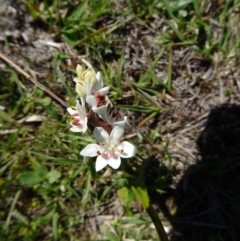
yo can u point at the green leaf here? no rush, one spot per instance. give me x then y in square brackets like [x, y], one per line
[45, 101]
[20, 217]
[53, 176]
[170, 9]
[125, 195]
[197, 7]
[112, 237]
[183, 3]
[5, 117]
[36, 176]
[32, 10]
[40, 169]
[78, 12]
[55, 225]
[141, 192]
[31, 178]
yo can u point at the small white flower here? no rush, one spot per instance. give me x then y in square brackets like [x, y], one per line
[98, 100]
[113, 117]
[79, 115]
[110, 150]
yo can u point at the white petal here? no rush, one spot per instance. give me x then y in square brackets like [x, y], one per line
[81, 126]
[85, 126]
[114, 162]
[83, 104]
[80, 88]
[82, 101]
[120, 123]
[128, 149]
[90, 150]
[101, 135]
[104, 90]
[89, 87]
[116, 134]
[79, 71]
[76, 80]
[76, 129]
[100, 163]
[99, 83]
[91, 100]
[81, 108]
[100, 110]
[71, 111]
[105, 115]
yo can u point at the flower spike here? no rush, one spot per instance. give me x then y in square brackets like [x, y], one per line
[97, 111]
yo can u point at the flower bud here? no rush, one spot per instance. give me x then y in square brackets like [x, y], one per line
[81, 79]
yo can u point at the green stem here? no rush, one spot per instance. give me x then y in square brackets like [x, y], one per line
[142, 193]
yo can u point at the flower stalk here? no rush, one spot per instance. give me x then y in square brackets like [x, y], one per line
[142, 194]
[93, 108]
[136, 180]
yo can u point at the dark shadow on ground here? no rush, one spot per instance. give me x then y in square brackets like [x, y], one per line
[208, 195]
